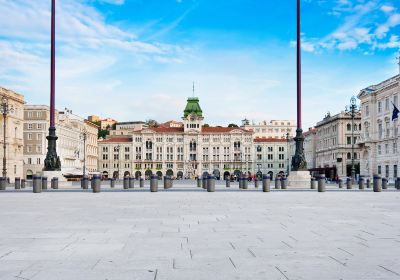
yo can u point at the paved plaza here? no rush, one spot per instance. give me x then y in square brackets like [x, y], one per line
[187, 233]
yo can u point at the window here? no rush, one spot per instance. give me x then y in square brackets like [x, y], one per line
[348, 140]
[367, 110]
[30, 126]
[387, 104]
[380, 130]
[38, 136]
[379, 150]
[379, 170]
[39, 126]
[29, 136]
[379, 106]
[348, 127]
[38, 161]
[394, 171]
[387, 171]
[29, 160]
[386, 148]
[395, 100]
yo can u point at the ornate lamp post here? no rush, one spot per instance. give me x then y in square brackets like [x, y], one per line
[298, 160]
[352, 110]
[5, 110]
[83, 137]
[287, 153]
[52, 161]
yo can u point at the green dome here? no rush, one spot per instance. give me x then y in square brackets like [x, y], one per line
[193, 107]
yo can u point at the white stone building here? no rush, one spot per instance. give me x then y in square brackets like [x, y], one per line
[70, 144]
[277, 129]
[180, 151]
[14, 135]
[380, 137]
[335, 136]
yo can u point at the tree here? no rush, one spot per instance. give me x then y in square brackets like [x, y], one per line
[152, 123]
[232, 125]
[103, 133]
[206, 125]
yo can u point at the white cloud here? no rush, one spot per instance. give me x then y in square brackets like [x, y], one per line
[387, 8]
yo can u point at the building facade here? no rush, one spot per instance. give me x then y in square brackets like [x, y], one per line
[70, 144]
[14, 133]
[380, 136]
[182, 151]
[271, 156]
[335, 137]
[277, 129]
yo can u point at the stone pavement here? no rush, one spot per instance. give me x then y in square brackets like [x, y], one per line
[187, 233]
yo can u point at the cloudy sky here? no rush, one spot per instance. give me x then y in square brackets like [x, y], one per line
[136, 59]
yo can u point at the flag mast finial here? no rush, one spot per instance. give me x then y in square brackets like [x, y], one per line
[193, 88]
[398, 61]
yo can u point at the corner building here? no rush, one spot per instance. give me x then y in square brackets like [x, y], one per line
[184, 151]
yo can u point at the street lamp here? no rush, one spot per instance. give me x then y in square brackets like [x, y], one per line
[117, 149]
[83, 137]
[5, 110]
[352, 110]
[287, 153]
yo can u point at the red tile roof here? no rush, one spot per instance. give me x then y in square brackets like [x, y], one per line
[265, 140]
[117, 140]
[222, 129]
[166, 129]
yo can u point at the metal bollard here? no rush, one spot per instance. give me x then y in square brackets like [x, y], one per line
[228, 183]
[377, 184]
[96, 183]
[266, 183]
[44, 183]
[170, 182]
[211, 184]
[277, 183]
[85, 182]
[112, 183]
[313, 183]
[141, 182]
[37, 184]
[284, 183]
[361, 183]
[199, 182]
[3, 183]
[368, 183]
[397, 183]
[54, 183]
[165, 182]
[17, 183]
[154, 183]
[241, 182]
[23, 183]
[340, 184]
[131, 182]
[349, 184]
[126, 183]
[245, 184]
[256, 183]
[384, 183]
[321, 183]
[204, 182]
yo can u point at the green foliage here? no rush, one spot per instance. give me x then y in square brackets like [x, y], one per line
[103, 133]
[232, 125]
[206, 125]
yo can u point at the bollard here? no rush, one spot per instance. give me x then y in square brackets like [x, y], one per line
[23, 183]
[211, 184]
[368, 183]
[361, 183]
[154, 183]
[165, 182]
[384, 183]
[277, 183]
[377, 183]
[245, 184]
[321, 183]
[37, 184]
[131, 182]
[54, 183]
[170, 182]
[340, 184]
[204, 182]
[96, 183]
[17, 183]
[284, 183]
[266, 183]
[3, 183]
[313, 183]
[348, 184]
[112, 183]
[126, 183]
[85, 182]
[256, 183]
[44, 183]
[228, 183]
[141, 182]
[397, 183]
[199, 182]
[241, 182]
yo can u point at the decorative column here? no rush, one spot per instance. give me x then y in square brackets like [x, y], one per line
[298, 160]
[52, 161]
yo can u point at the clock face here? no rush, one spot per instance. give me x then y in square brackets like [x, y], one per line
[192, 118]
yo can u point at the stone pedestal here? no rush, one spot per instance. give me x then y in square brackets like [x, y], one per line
[299, 180]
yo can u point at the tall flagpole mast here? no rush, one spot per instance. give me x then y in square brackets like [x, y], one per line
[298, 160]
[52, 161]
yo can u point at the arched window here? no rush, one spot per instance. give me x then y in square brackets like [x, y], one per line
[348, 127]
[259, 149]
[348, 155]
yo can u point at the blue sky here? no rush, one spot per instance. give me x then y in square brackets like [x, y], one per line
[136, 59]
